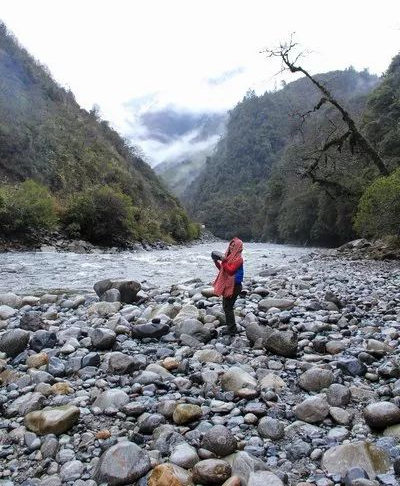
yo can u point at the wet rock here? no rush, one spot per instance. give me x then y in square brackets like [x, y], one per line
[339, 459]
[170, 475]
[37, 360]
[338, 395]
[316, 379]
[32, 321]
[113, 398]
[43, 340]
[263, 478]
[104, 309]
[120, 363]
[270, 428]
[236, 378]
[269, 302]
[52, 420]
[14, 341]
[184, 455]
[211, 471]
[354, 473]
[209, 356]
[381, 415]
[352, 366]
[128, 289]
[103, 338]
[185, 413]
[219, 440]
[187, 312]
[150, 330]
[312, 409]
[273, 382]
[6, 312]
[71, 470]
[26, 403]
[195, 329]
[283, 343]
[256, 333]
[11, 300]
[243, 464]
[123, 463]
[150, 422]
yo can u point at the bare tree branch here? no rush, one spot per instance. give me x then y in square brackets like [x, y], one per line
[353, 135]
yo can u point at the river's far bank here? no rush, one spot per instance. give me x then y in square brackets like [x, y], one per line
[58, 241]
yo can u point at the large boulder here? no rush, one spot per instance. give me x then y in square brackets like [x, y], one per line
[14, 341]
[32, 321]
[219, 440]
[104, 309]
[282, 343]
[120, 363]
[43, 340]
[339, 459]
[28, 402]
[52, 420]
[270, 302]
[211, 471]
[150, 330]
[123, 463]
[186, 412]
[169, 475]
[236, 378]
[113, 398]
[243, 464]
[6, 312]
[382, 414]
[194, 328]
[188, 311]
[128, 289]
[264, 478]
[103, 338]
[316, 379]
[10, 299]
[256, 334]
[312, 409]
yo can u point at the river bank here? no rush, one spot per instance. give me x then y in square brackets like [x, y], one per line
[59, 241]
[153, 393]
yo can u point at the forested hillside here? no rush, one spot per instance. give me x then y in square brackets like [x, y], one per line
[61, 165]
[257, 182]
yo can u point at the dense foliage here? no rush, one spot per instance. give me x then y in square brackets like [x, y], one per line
[26, 207]
[379, 207]
[254, 184]
[47, 137]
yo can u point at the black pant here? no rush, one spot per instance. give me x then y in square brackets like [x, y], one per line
[228, 303]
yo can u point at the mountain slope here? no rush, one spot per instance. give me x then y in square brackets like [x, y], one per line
[232, 195]
[46, 136]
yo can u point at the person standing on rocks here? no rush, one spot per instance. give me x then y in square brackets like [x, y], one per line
[228, 283]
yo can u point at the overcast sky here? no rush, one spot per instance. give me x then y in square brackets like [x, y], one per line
[203, 55]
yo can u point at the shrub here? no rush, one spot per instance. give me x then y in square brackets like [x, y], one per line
[103, 215]
[379, 208]
[27, 206]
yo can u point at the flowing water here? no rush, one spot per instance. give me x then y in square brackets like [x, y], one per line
[37, 272]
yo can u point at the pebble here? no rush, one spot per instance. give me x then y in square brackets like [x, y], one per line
[307, 392]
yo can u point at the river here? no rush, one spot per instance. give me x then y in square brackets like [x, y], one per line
[38, 272]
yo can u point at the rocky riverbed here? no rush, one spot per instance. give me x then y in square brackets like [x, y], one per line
[151, 392]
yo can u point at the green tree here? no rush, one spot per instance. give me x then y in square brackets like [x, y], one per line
[103, 215]
[27, 206]
[379, 208]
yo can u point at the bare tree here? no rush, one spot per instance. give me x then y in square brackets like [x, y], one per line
[352, 135]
